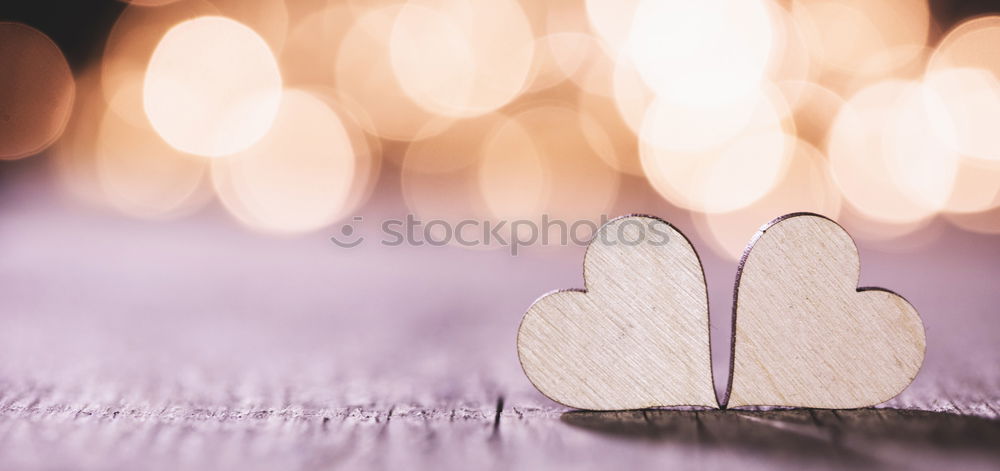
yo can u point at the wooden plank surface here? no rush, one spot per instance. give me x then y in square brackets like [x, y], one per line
[198, 345]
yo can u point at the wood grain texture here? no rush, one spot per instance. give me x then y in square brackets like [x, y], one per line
[196, 345]
[805, 335]
[458, 435]
[637, 337]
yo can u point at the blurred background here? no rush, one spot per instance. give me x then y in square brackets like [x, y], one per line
[171, 173]
[295, 115]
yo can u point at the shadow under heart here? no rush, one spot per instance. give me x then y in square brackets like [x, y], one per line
[855, 436]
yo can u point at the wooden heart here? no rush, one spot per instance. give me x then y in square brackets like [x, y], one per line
[804, 335]
[637, 337]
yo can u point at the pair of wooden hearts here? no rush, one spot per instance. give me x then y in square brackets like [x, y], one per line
[804, 334]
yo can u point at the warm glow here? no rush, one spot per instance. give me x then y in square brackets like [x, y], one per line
[968, 110]
[462, 57]
[986, 222]
[150, 3]
[73, 155]
[36, 91]
[129, 46]
[715, 169]
[965, 74]
[298, 178]
[887, 235]
[310, 53]
[268, 18]
[578, 184]
[922, 166]
[364, 75]
[454, 149]
[730, 111]
[813, 107]
[970, 44]
[138, 30]
[867, 38]
[682, 128]
[142, 175]
[976, 188]
[367, 149]
[434, 63]
[212, 87]
[612, 20]
[790, 59]
[512, 175]
[632, 96]
[608, 133]
[862, 150]
[557, 57]
[704, 52]
[805, 186]
[578, 57]
[440, 174]
[596, 74]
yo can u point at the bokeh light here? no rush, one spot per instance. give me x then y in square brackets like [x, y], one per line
[578, 185]
[513, 179]
[632, 96]
[310, 53]
[456, 148]
[734, 38]
[142, 175]
[790, 60]
[439, 175]
[130, 44]
[212, 87]
[363, 72]
[74, 155]
[452, 62]
[612, 20]
[968, 105]
[965, 72]
[970, 45]
[557, 57]
[987, 222]
[36, 91]
[575, 56]
[139, 28]
[367, 149]
[868, 111]
[268, 18]
[860, 161]
[921, 165]
[813, 108]
[608, 133]
[976, 187]
[716, 159]
[298, 177]
[806, 186]
[674, 127]
[866, 38]
[149, 3]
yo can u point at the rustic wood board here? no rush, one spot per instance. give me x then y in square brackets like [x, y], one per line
[197, 345]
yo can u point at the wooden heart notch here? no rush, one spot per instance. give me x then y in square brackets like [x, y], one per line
[805, 335]
[637, 337]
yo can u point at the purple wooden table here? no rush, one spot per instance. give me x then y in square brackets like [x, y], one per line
[197, 344]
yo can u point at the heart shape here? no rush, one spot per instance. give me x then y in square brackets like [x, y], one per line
[637, 337]
[804, 335]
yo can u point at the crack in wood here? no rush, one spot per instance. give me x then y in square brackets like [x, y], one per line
[496, 417]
